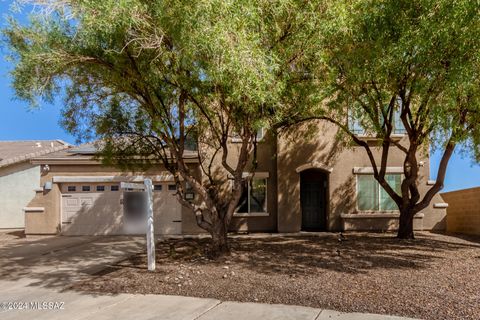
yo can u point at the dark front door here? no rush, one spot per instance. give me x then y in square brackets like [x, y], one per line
[313, 198]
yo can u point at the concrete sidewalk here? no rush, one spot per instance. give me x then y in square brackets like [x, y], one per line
[75, 305]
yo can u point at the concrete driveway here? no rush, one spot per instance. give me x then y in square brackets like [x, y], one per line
[34, 273]
[55, 262]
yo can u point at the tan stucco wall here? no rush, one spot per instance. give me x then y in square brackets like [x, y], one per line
[463, 212]
[48, 221]
[321, 148]
[382, 224]
[17, 185]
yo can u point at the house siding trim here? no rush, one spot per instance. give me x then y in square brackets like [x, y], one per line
[95, 179]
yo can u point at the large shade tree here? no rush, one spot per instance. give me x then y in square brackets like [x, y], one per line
[382, 65]
[151, 79]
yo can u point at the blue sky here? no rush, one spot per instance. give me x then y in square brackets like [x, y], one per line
[18, 122]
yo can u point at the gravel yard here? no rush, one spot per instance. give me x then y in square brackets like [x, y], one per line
[431, 277]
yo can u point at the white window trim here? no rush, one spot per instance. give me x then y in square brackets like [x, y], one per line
[257, 175]
[356, 197]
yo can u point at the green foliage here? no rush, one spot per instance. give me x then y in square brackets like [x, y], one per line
[148, 77]
[131, 53]
[421, 59]
[423, 56]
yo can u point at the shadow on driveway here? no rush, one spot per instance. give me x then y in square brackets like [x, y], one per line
[56, 262]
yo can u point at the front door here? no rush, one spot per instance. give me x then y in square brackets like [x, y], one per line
[313, 198]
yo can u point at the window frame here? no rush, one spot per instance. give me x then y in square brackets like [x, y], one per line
[74, 188]
[379, 190]
[97, 188]
[89, 189]
[116, 188]
[256, 176]
[354, 124]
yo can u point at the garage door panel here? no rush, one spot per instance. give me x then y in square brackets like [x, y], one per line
[71, 202]
[87, 201]
[91, 213]
[98, 213]
[167, 214]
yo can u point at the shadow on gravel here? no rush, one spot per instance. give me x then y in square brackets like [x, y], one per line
[432, 277]
[358, 253]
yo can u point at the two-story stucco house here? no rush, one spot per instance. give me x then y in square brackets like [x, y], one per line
[302, 182]
[19, 178]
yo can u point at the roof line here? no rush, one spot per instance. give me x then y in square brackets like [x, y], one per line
[28, 156]
[38, 140]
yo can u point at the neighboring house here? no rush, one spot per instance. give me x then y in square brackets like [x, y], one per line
[303, 181]
[19, 178]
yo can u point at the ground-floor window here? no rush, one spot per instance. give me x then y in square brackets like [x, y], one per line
[372, 197]
[254, 196]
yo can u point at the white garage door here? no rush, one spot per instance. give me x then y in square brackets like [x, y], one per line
[95, 209]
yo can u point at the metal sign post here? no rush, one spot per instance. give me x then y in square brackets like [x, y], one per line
[150, 232]
[148, 189]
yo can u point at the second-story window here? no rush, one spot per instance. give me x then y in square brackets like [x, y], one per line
[356, 127]
[398, 127]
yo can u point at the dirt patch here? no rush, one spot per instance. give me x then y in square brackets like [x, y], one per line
[432, 277]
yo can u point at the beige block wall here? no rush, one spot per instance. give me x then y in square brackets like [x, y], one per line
[463, 212]
[321, 148]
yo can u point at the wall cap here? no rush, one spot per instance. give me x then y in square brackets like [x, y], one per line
[440, 205]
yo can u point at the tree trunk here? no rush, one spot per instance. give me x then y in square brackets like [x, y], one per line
[405, 228]
[219, 240]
